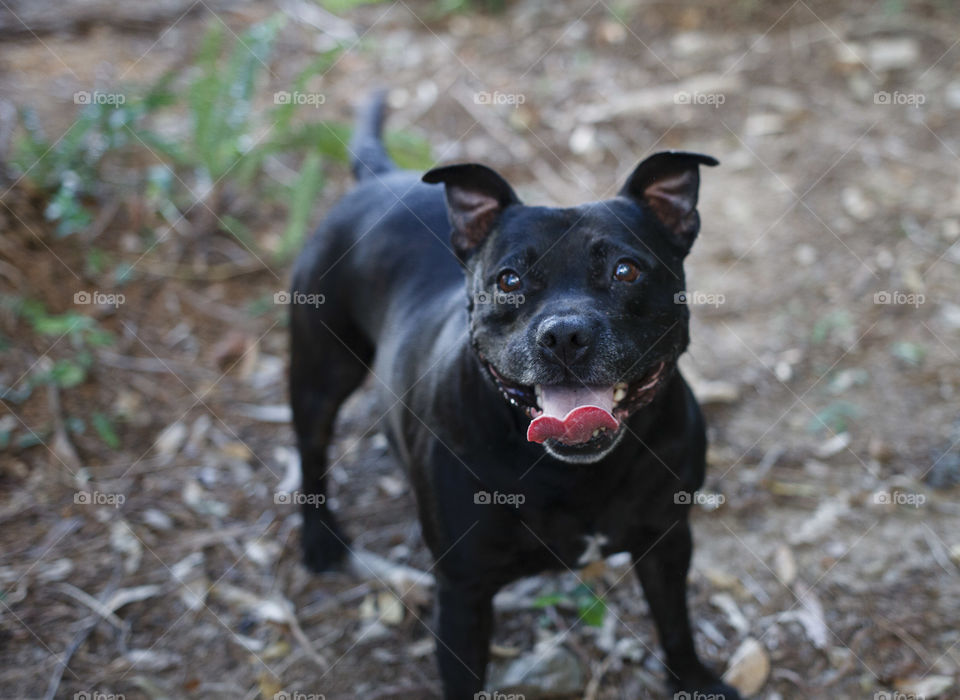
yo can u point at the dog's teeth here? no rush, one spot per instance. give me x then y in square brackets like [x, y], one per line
[620, 385]
[596, 432]
[620, 393]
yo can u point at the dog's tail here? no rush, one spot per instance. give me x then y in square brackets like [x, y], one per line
[368, 157]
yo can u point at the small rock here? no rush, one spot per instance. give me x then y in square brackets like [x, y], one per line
[952, 95]
[195, 496]
[262, 553]
[805, 254]
[729, 607]
[823, 521]
[583, 139]
[199, 432]
[749, 667]
[785, 565]
[856, 204]
[374, 630]
[715, 391]
[720, 579]
[382, 607]
[892, 54]
[171, 439]
[838, 443]
[157, 519]
[501, 651]
[612, 32]
[763, 125]
[885, 259]
[276, 650]
[424, 647]
[928, 687]
[150, 660]
[392, 486]
[846, 379]
[955, 554]
[124, 541]
[848, 54]
[545, 672]
[236, 450]
[840, 657]
[391, 609]
[950, 315]
[783, 371]
[690, 43]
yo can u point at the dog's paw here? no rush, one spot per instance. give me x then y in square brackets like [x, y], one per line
[324, 546]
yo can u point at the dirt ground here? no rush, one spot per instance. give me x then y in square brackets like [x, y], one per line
[826, 350]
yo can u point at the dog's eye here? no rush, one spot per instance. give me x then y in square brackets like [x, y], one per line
[509, 281]
[626, 271]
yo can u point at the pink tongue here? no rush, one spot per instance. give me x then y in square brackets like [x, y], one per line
[571, 415]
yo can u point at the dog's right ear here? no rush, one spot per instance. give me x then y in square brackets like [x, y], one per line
[476, 196]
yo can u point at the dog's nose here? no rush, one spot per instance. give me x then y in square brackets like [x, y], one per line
[565, 338]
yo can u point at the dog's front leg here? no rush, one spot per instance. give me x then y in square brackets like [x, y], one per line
[662, 566]
[464, 625]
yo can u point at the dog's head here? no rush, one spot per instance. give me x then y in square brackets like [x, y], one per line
[576, 312]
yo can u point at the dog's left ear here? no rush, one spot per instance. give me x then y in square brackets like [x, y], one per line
[476, 197]
[668, 184]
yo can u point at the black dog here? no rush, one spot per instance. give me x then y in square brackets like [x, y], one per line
[537, 407]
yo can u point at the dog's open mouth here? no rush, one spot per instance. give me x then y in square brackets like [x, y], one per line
[580, 416]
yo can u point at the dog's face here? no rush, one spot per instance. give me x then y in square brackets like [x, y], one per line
[575, 312]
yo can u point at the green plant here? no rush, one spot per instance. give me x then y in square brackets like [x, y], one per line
[338, 6]
[83, 335]
[225, 142]
[590, 607]
[834, 418]
[911, 354]
[68, 170]
[103, 425]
